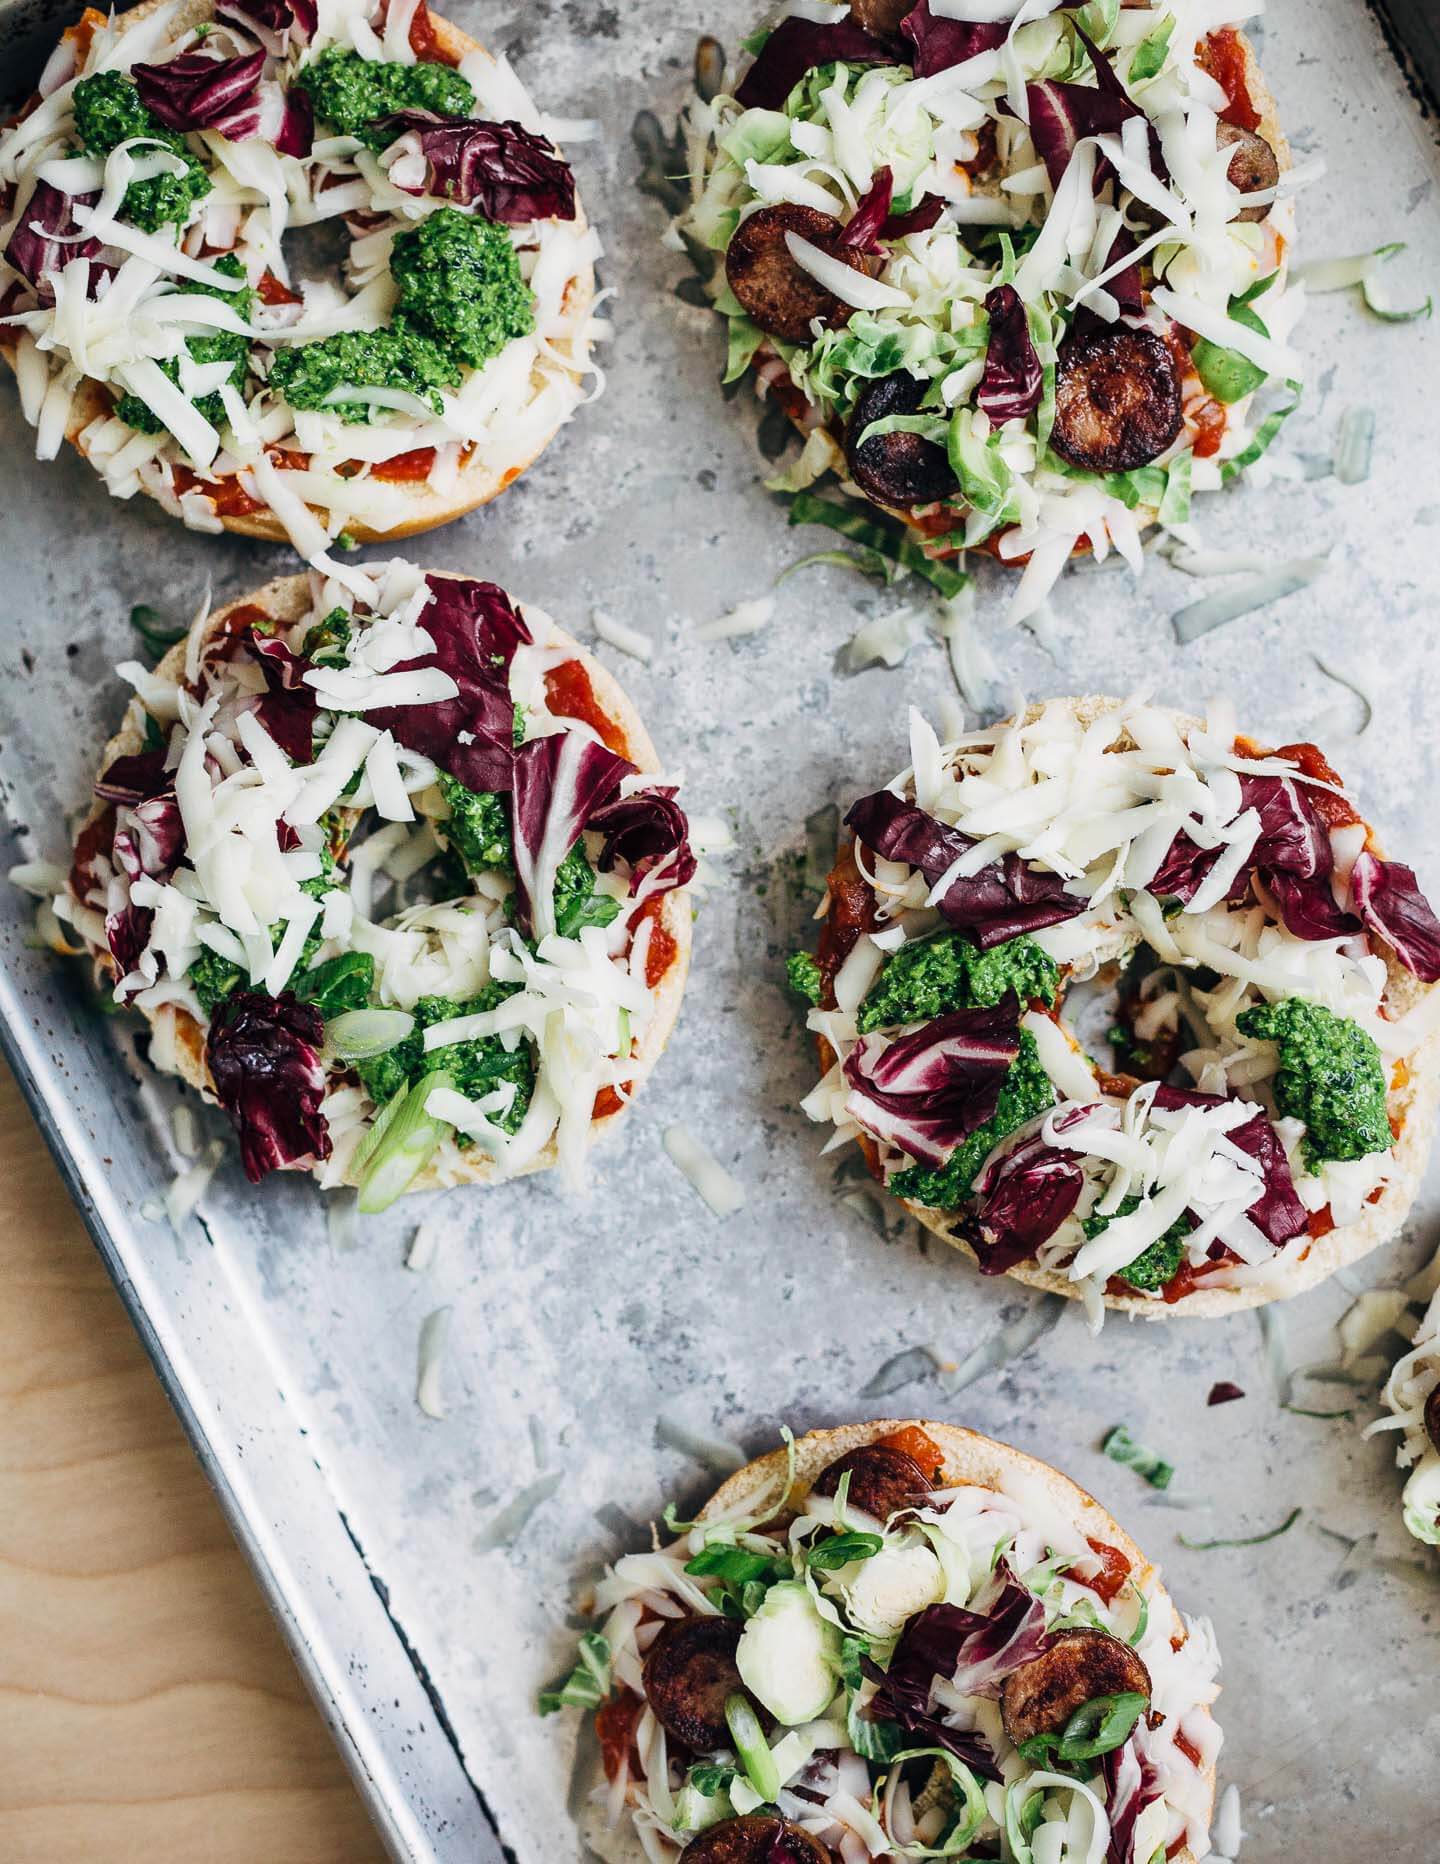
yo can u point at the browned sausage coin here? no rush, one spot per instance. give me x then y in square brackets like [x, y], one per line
[689, 1671]
[781, 297]
[1117, 399]
[883, 1480]
[1253, 164]
[896, 469]
[758, 1838]
[1432, 1417]
[1041, 1696]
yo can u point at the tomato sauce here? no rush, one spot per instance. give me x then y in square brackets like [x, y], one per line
[913, 1442]
[425, 41]
[569, 694]
[615, 1721]
[1114, 1572]
[406, 468]
[663, 949]
[1206, 420]
[852, 911]
[226, 493]
[274, 290]
[1223, 56]
[1188, 1279]
[96, 837]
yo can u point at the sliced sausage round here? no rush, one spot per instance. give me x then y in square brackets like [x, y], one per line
[689, 1671]
[776, 293]
[1432, 1417]
[1253, 165]
[896, 469]
[758, 1838]
[1042, 1695]
[1117, 399]
[883, 1480]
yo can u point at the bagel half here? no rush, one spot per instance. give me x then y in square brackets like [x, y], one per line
[1413, 1101]
[179, 1038]
[969, 1459]
[479, 481]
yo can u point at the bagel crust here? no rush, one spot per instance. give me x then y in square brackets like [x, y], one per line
[1412, 1102]
[967, 1460]
[423, 507]
[179, 1037]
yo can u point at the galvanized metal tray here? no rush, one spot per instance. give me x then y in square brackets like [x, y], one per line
[424, 1579]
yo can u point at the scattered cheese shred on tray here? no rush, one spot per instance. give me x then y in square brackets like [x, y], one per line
[434, 1338]
[723, 1193]
[749, 618]
[620, 634]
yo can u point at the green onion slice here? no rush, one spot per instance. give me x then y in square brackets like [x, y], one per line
[751, 1747]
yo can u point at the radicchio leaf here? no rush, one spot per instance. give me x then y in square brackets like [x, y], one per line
[264, 1056]
[1278, 1214]
[131, 779]
[476, 630]
[644, 830]
[275, 23]
[561, 782]
[148, 840]
[43, 241]
[940, 43]
[872, 211]
[1132, 1783]
[508, 172]
[1124, 287]
[231, 96]
[1387, 897]
[1014, 380]
[927, 1091]
[288, 709]
[1063, 115]
[919, 219]
[1027, 1197]
[798, 45]
[999, 903]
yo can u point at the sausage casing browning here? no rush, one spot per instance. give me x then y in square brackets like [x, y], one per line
[758, 1838]
[1117, 399]
[778, 294]
[1253, 165]
[1042, 1695]
[883, 1480]
[896, 469]
[689, 1671]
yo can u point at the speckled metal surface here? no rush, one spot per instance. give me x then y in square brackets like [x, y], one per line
[578, 1325]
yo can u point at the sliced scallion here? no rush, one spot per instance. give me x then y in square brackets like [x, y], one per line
[360, 1035]
[405, 1147]
[751, 1747]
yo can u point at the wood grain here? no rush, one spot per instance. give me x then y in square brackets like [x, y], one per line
[149, 1711]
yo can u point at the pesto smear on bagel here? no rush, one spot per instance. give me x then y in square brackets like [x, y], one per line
[891, 1660]
[385, 879]
[1266, 969]
[1017, 272]
[154, 291]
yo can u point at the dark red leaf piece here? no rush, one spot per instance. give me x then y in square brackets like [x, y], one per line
[642, 831]
[133, 778]
[941, 43]
[43, 241]
[275, 23]
[1224, 1391]
[999, 903]
[864, 228]
[919, 219]
[288, 709]
[1028, 1196]
[1278, 1214]
[1387, 897]
[264, 1056]
[561, 783]
[799, 45]
[1014, 380]
[476, 629]
[1132, 1783]
[196, 91]
[928, 1090]
[508, 172]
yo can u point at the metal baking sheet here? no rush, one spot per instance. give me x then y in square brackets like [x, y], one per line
[586, 1333]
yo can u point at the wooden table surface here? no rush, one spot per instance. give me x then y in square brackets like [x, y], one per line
[149, 1711]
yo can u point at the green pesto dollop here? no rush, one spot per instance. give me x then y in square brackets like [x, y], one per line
[352, 92]
[478, 828]
[1026, 1094]
[578, 903]
[476, 1067]
[400, 357]
[1331, 1077]
[335, 985]
[1154, 1266]
[933, 976]
[108, 111]
[214, 346]
[326, 641]
[459, 281]
[802, 972]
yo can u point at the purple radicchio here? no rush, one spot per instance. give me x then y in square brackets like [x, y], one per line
[941, 43]
[134, 777]
[288, 708]
[275, 23]
[1027, 1195]
[45, 239]
[1064, 115]
[508, 172]
[798, 45]
[230, 96]
[927, 1091]
[476, 630]
[148, 841]
[999, 903]
[872, 220]
[647, 831]
[918, 220]
[1124, 287]
[561, 782]
[975, 1651]
[1278, 1214]
[264, 1056]
[1132, 1783]
[1013, 381]
[1387, 897]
